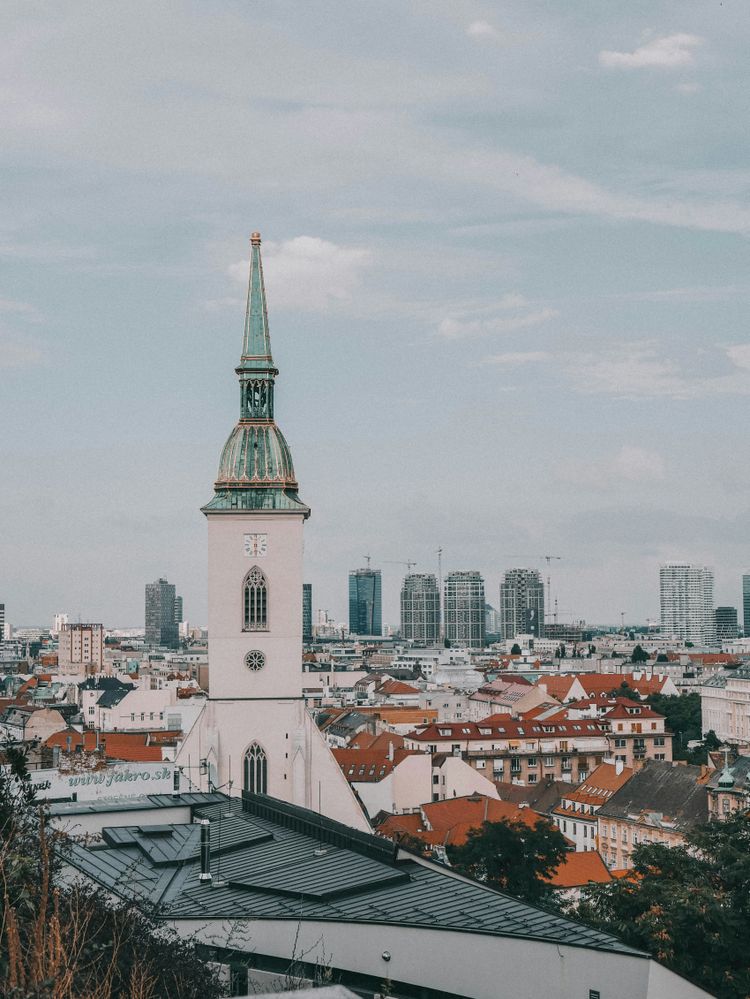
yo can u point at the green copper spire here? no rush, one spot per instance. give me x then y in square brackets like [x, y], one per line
[256, 470]
[256, 346]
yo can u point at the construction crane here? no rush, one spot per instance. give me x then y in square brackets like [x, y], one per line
[407, 562]
[368, 559]
[548, 559]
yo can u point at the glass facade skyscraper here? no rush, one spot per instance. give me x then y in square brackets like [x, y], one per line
[746, 604]
[365, 602]
[161, 626]
[420, 608]
[464, 609]
[727, 627]
[522, 603]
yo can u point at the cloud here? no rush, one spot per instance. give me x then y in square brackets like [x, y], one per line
[639, 371]
[688, 88]
[630, 464]
[21, 310]
[308, 273]
[669, 52]
[18, 353]
[636, 464]
[473, 325]
[482, 29]
[512, 359]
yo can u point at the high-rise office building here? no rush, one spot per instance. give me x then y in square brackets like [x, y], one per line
[307, 629]
[746, 605]
[727, 627]
[178, 610]
[365, 606]
[522, 603]
[161, 625]
[420, 608]
[463, 607]
[687, 603]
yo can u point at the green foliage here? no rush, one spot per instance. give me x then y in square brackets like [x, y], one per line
[516, 650]
[639, 655]
[69, 941]
[683, 719]
[662, 657]
[512, 856]
[687, 906]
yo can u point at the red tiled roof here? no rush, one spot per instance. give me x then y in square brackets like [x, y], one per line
[504, 727]
[396, 687]
[579, 869]
[366, 766]
[377, 743]
[128, 746]
[452, 820]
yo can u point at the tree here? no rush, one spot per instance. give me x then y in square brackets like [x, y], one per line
[70, 941]
[516, 650]
[683, 720]
[688, 906]
[662, 658]
[639, 655]
[512, 856]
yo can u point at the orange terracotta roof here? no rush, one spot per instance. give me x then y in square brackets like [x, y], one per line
[366, 766]
[128, 746]
[579, 869]
[397, 687]
[452, 820]
[377, 743]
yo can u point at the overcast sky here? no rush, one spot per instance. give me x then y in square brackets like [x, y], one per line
[506, 253]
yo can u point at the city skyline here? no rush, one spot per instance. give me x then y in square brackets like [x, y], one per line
[492, 227]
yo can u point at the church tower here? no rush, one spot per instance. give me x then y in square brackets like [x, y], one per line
[255, 729]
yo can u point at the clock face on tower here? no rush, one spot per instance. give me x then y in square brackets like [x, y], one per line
[256, 545]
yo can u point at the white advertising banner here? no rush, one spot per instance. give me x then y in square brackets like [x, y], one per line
[114, 781]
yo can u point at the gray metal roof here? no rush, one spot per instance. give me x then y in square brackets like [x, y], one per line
[285, 862]
[661, 794]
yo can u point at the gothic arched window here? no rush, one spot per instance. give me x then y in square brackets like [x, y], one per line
[255, 601]
[256, 770]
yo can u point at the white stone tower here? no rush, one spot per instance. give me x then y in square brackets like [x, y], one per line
[255, 729]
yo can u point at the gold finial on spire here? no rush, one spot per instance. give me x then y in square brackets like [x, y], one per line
[255, 238]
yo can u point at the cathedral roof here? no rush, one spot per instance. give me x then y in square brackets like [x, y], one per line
[256, 470]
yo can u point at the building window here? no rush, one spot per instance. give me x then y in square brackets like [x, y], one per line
[549, 761]
[659, 740]
[533, 778]
[91, 711]
[256, 770]
[532, 761]
[255, 660]
[255, 601]
[619, 743]
[515, 764]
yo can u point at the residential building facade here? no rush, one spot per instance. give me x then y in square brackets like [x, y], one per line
[80, 648]
[420, 609]
[463, 607]
[521, 603]
[687, 603]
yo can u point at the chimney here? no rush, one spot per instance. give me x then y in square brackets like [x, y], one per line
[619, 765]
[205, 874]
[390, 751]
